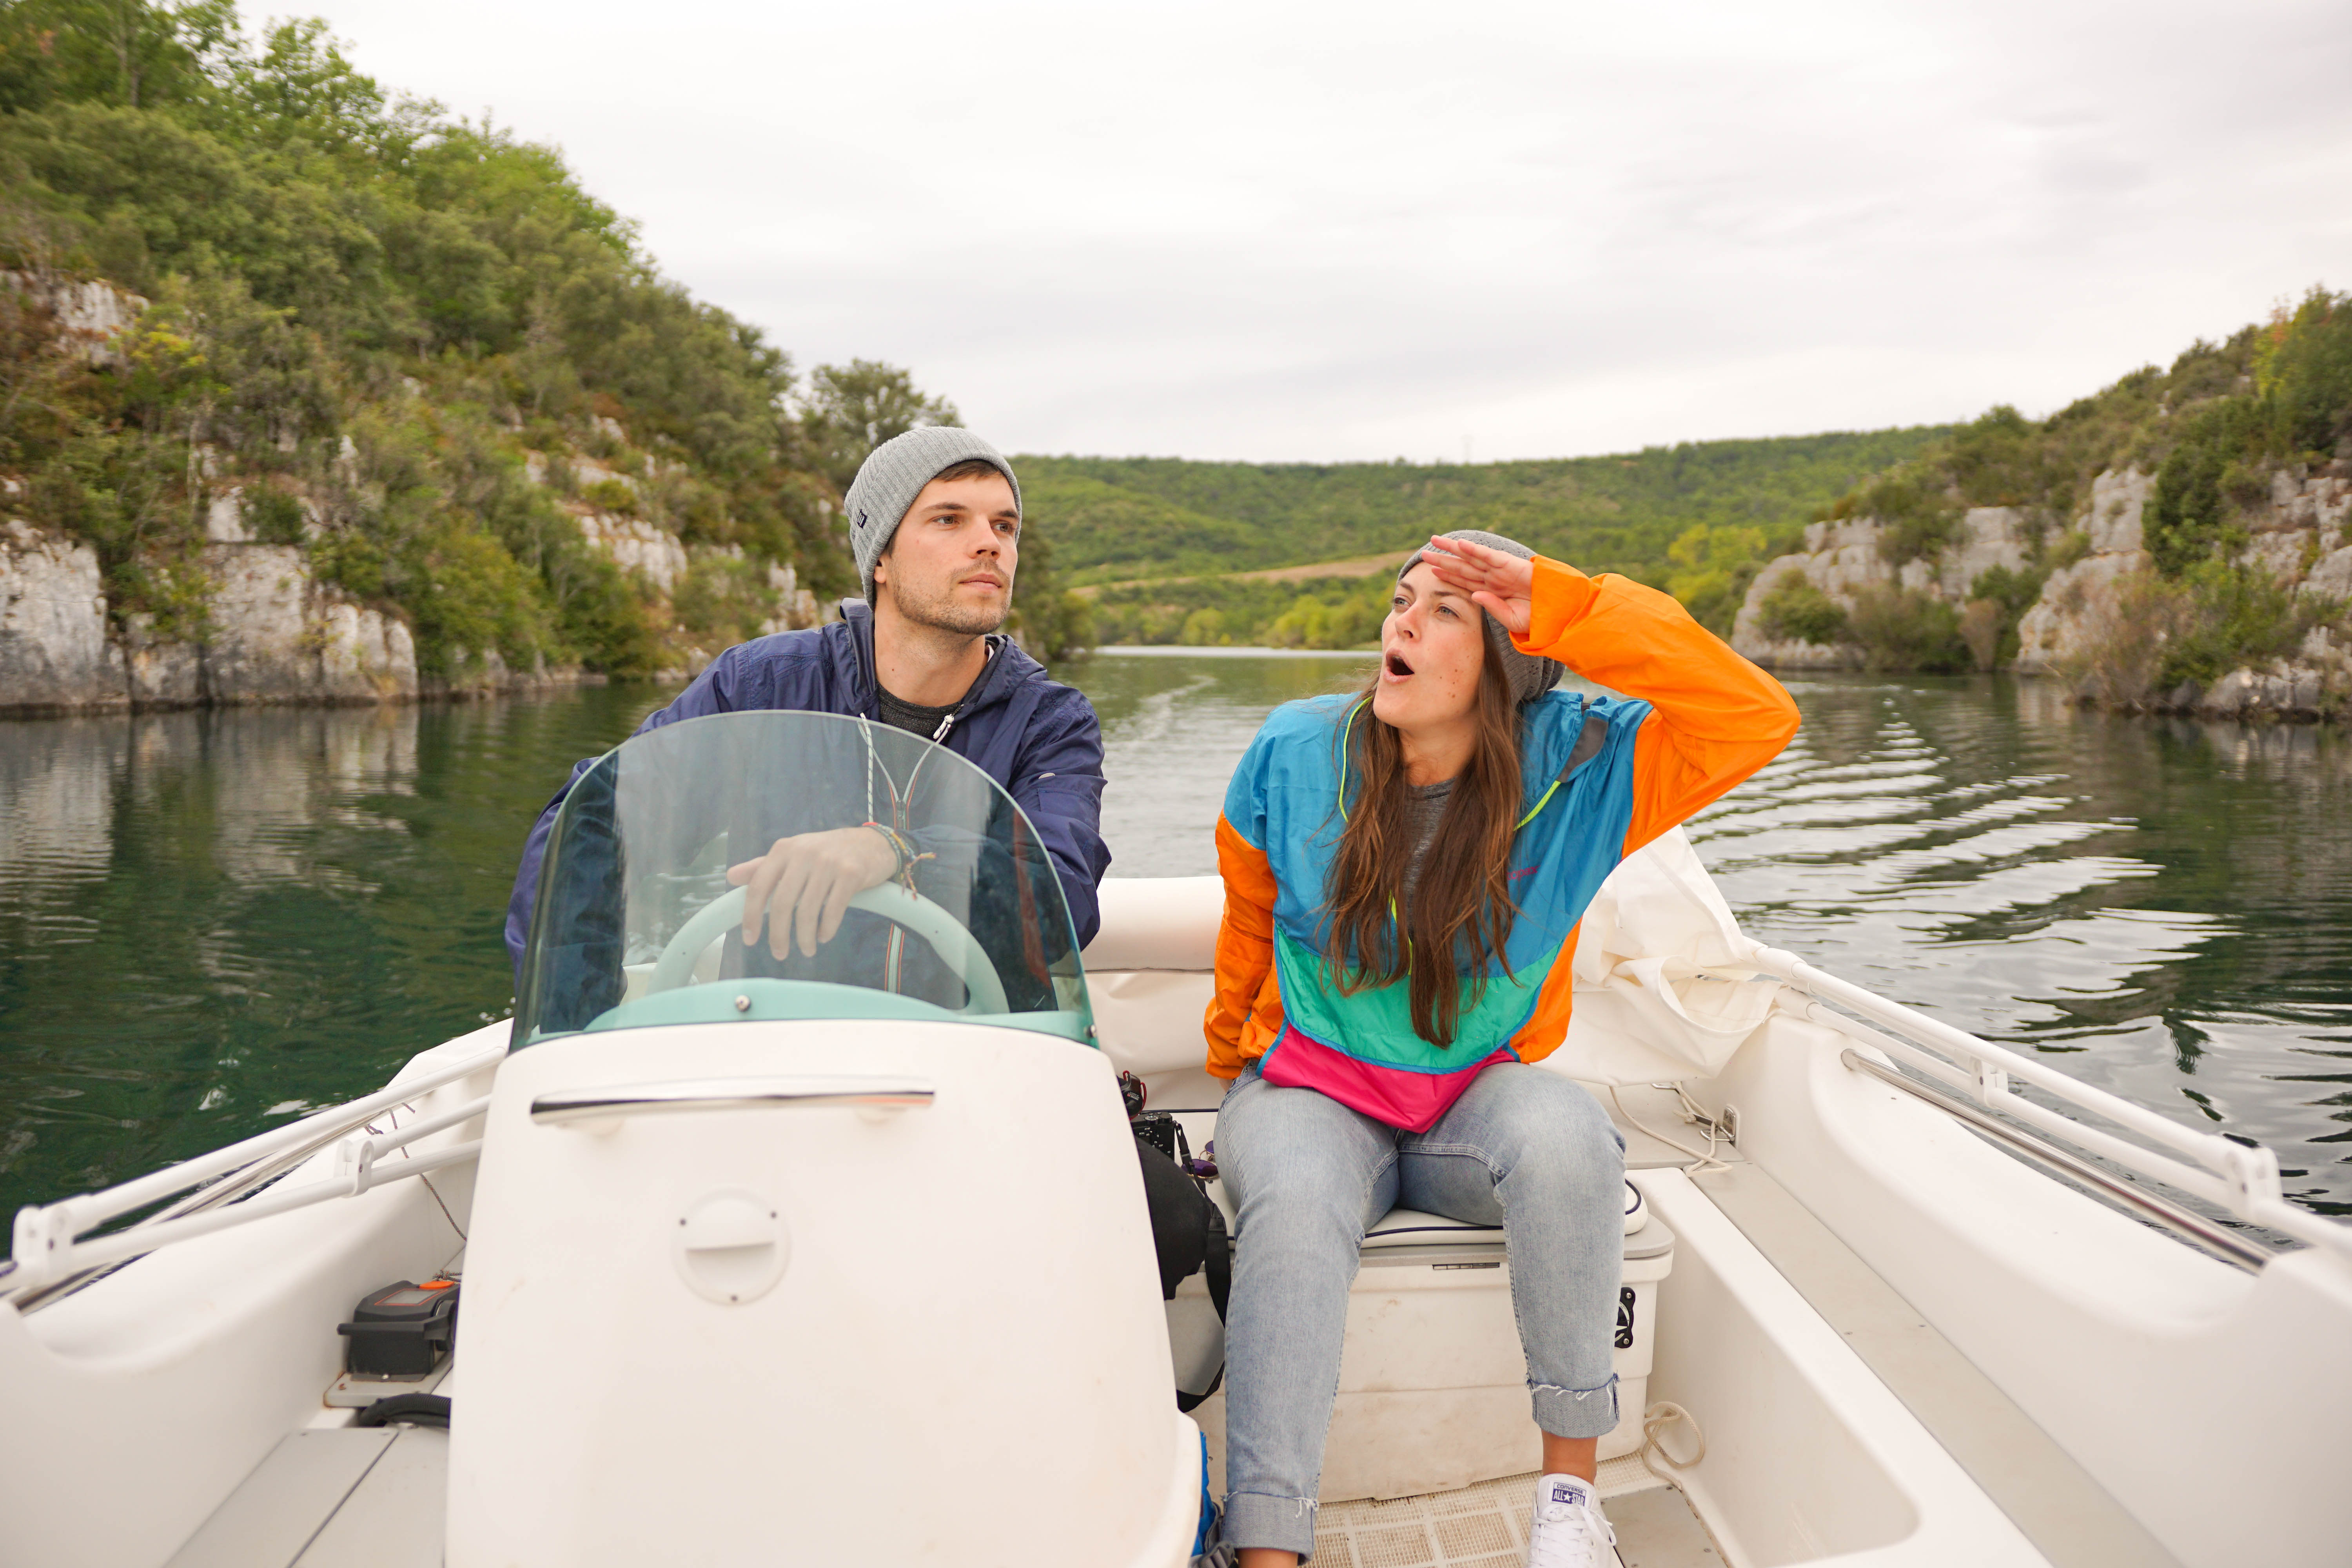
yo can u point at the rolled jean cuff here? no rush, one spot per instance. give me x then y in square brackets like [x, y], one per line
[1261, 1518]
[1576, 1412]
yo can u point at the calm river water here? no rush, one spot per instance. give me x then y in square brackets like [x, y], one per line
[212, 921]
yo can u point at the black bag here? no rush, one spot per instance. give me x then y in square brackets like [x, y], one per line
[1188, 1229]
[1188, 1234]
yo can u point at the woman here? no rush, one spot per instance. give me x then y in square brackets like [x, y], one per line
[1404, 870]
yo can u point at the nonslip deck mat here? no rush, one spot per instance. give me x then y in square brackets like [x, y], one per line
[1481, 1526]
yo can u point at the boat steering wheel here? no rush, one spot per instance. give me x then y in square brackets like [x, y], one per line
[947, 935]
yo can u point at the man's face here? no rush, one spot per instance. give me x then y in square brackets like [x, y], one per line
[951, 563]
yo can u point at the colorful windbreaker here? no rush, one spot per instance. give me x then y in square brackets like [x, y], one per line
[1603, 777]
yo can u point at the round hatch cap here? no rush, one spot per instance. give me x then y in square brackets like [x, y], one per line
[731, 1247]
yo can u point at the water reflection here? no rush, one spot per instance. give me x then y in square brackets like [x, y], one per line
[2168, 904]
[211, 920]
[207, 921]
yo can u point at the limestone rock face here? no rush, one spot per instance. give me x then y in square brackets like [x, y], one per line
[2330, 578]
[2070, 614]
[1841, 558]
[2078, 602]
[53, 649]
[2117, 502]
[796, 605]
[272, 634]
[276, 635]
[225, 518]
[160, 672]
[635, 545]
[87, 315]
[1989, 536]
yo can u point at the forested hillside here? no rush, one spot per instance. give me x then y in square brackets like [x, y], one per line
[1160, 537]
[413, 346]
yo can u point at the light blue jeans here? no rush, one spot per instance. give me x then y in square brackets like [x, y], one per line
[1523, 1147]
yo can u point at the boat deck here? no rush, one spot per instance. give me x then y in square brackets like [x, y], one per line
[1485, 1526]
[360, 1497]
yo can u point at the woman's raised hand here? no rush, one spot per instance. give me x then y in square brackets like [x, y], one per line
[1503, 585]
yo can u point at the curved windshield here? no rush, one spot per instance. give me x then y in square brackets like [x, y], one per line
[954, 912]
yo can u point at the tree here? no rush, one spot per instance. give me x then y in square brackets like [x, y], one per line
[850, 409]
[122, 52]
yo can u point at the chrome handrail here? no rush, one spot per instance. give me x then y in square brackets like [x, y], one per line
[47, 1259]
[578, 1106]
[2232, 1174]
[2184, 1223]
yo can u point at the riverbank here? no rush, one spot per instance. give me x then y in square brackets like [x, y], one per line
[2089, 608]
[270, 634]
[2177, 543]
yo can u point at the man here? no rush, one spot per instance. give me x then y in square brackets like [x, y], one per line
[935, 525]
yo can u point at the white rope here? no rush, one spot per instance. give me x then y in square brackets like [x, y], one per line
[1655, 1420]
[1701, 1163]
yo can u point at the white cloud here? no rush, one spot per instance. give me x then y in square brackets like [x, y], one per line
[1362, 231]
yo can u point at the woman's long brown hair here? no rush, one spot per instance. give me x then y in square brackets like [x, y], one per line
[1460, 912]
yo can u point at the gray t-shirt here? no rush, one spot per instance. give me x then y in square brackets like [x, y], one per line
[1424, 808]
[912, 717]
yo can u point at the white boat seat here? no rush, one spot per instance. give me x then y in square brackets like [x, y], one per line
[1403, 1231]
[1411, 1228]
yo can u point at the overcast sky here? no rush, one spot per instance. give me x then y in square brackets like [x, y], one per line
[1364, 230]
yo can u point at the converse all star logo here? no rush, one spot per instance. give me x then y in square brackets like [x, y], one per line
[1562, 1492]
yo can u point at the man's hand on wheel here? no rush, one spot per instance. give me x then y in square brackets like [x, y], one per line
[808, 880]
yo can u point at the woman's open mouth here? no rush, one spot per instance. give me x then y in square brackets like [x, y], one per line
[1397, 667]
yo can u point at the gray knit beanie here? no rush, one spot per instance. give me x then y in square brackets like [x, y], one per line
[894, 473]
[1530, 675]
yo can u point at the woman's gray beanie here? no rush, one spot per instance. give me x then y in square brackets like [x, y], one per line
[894, 473]
[1530, 675]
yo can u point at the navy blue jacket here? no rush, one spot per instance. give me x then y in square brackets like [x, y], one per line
[1035, 737]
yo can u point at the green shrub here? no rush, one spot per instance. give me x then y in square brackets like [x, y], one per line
[2002, 458]
[1794, 610]
[611, 495]
[2231, 616]
[273, 517]
[1203, 628]
[1716, 564]
[2066, 549]
[2005, 596]
[1902, 629]
[2190, 506]
[723, 600]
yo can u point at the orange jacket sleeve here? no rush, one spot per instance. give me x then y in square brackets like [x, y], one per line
[1715, 717]
[1245, 1015]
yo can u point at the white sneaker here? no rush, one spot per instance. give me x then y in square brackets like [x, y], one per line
[1570, 1530]
[1637, 1213]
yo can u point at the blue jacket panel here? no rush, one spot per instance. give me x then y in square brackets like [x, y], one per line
[1288, 796]
[1035, 737]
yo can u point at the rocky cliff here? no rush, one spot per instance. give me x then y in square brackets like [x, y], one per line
[2102, 614]
[269, 632]
[1846, 560]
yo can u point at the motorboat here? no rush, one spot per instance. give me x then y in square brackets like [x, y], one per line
[713, 1256]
